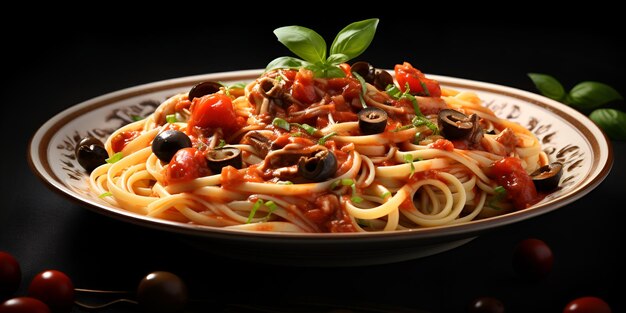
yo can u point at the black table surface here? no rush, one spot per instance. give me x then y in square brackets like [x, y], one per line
[55, 67]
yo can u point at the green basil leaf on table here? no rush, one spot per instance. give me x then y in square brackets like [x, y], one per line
[548, 86]
[590, 95]
[612, 121]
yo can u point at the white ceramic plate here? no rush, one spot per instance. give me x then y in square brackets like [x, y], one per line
[565, 134]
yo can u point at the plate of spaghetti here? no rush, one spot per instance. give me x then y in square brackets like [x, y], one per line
[301, 163]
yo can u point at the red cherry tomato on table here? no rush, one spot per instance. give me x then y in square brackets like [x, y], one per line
[10, 274]
[532, 259]
[407, 74]
[24, 305]
[54, 288]
[214, 111]
[587, 305]
[486, 305]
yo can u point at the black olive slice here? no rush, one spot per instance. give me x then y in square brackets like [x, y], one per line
[372, 120]
[168, 142]
[548, 176]
[203, 89]
[90, 153]
[382, 79]
[319, 167]
[221, 157]
[366, 70]
[454, 124]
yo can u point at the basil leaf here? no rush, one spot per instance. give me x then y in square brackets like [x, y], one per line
[279, 122]
[612, 121]
[548, 86]
[304, 42]
[337, 58]
[114, 158]
[354, 38]
[590, 95]
[333, 72]
[285, 62]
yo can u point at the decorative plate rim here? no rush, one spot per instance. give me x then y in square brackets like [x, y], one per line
[600, 168]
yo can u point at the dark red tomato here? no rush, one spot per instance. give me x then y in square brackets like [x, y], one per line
[53, 288]
[532, 259]
[520, 189]
[24, 305]
[485, 305]
[186, 164]
[10, 274]
[349, 88]
[406, 73]
[303, 89]
[587, 305]
[120, 140]
[213, 111]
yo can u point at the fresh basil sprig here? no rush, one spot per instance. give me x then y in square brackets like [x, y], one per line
[307, 44]
[587, 96]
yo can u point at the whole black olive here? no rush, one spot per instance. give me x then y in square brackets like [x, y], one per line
[319, 167]
[162, 292]
[372, 120]
[364, 69]
[90, 153]
[168, 142]
[548, 176]
[203, 89]
[382, 79]
[221, 157]
[454, 124]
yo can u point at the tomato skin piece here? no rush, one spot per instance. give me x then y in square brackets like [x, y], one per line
[119, 142]
[213, 111]
[520, 189]
[187, 164]
[407, 74]
[303, 89]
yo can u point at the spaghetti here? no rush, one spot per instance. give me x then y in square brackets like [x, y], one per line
[309, 164]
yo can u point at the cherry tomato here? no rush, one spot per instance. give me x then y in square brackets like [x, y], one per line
[532, 259]
[303, 89]
[24, 305]
[587, 305]
[10, 274]
[406, 73]
[486, 305]
[186, 164]
[509, 173]
[54, 288]
[213, 111]
[162, 292]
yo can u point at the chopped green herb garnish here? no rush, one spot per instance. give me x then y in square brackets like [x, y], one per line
[114, 158]
[296, 134]
[271, 208]
[385, 195]
[363, 88]
[221, 144]
[422, 120]
[171, 118]
[322, 140]
[105, 194]
[347, 182]
[308, 128]
[499, 196]
[255, 207]
[356, 199]
[335, 184]
[404, 127]
[279, 122]
[136, 118]
[409, 159]
[285, 182]
[393, 91]
[426, 92]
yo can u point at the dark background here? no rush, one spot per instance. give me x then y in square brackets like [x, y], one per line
[66, 59]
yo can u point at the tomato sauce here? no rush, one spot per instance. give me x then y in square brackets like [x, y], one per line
[122, 139]
[520, 189]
